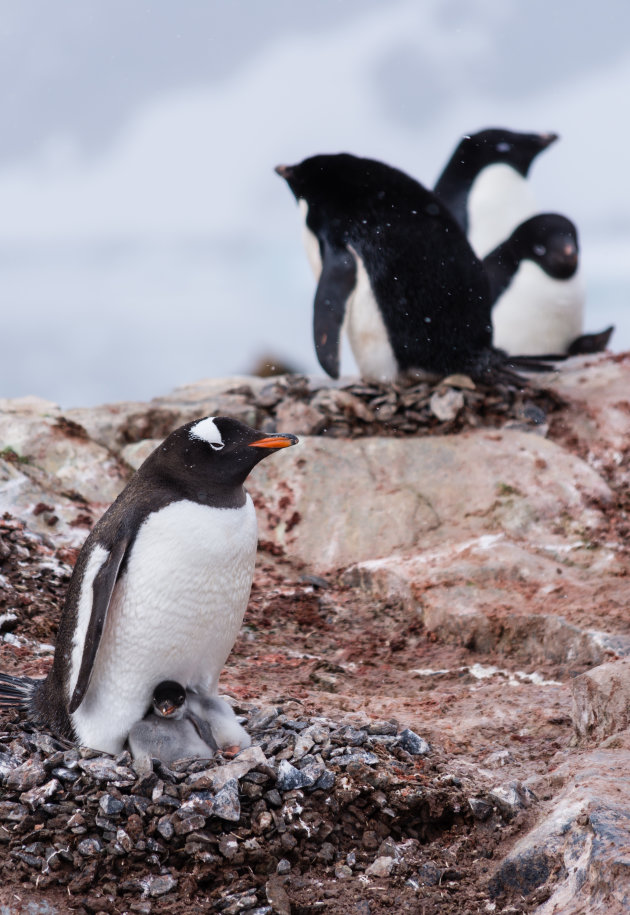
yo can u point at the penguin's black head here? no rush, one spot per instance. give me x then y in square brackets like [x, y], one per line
[498, 145]
[168, 698]
[343, 181]
[213, 455]
[549, 240]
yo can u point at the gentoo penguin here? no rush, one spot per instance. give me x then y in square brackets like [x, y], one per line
[159, 589]
[484, 183]
[395, 272]
[170, 730]
[537, 290]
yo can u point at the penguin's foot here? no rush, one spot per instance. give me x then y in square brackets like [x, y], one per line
[230, 752]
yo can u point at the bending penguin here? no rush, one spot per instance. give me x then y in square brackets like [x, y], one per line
[395, 272]
[159, 589]
[484, 183]
[170, 730]
[537, 290]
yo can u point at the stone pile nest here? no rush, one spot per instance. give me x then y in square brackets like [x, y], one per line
[312, 406]
[309, 793]
[358, 408]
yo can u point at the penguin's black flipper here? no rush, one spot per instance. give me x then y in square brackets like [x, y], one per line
[103, 587]
[588, 344]
[336, 283]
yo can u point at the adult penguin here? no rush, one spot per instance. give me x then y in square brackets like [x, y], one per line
[159, 589]
[396, 272]
[537, 290]
[484, 183]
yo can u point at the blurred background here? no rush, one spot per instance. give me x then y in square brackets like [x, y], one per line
[145, 240]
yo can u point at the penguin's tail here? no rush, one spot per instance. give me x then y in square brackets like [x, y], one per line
[495, 366]
[16, 692]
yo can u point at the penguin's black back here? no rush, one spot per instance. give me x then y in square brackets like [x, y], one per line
[428, 283]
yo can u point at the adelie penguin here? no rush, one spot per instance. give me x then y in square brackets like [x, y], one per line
[537, 291]
[394, 271]
[159, 589]
[484, 183]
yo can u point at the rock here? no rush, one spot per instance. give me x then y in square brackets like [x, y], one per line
[289, 777]
[511, 798]
[426, 490]
[277, 896]
[381, 867]
[343, 872]
[582, 838]
[481, 809]
[40, 794]
[283, 867]
[26, 776]
[161, 885]
[601, 700]
[226, 803]
[104, 769]
[215, 778]
[408, 740]
[300, 418]
[446, 404]
[90, 847]
[110, 806]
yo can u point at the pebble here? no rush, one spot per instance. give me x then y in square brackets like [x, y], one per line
[342, 872]
[410, 741]
[110, 806]
[89, 847]
[284, 866]
[226, 803]
[26, 776]
[161, 885]
[289, 777]
[40, 794]
[381, 867]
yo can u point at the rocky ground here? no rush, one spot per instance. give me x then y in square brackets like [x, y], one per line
[431, 667]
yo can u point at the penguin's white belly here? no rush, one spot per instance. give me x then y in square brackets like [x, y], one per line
[538, 314]
[499, 200]
[366, 331]
[310, 241]
[174, 615]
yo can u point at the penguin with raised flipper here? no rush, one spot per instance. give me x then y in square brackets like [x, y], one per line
[484, 183]
[396, 272]
[537, 291]
[159, 589]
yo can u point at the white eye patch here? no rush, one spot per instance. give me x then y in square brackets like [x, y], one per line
[206, 431]
[539, 250]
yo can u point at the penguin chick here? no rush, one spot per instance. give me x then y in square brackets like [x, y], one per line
[169, 731]
[395, 271]
[159, 589]
[484, 183]
[216, 716]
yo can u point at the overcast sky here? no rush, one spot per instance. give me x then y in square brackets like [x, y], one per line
[144, 238]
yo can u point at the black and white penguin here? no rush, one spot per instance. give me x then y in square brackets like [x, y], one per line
[170, 730]
[159, 589]
[484, 183]
[537, 290]
[394, 271]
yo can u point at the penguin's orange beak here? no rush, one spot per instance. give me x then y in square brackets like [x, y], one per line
[275, 441]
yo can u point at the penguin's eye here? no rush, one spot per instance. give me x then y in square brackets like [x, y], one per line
[216, 446]
[540, 250]
[504, 147]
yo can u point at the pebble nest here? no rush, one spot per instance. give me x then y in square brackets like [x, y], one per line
[351, 800]
[313, 406]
